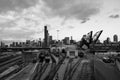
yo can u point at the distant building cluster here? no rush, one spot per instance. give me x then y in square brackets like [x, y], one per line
[115, 40]
[45, 43]
[27, 43]
[68, 41]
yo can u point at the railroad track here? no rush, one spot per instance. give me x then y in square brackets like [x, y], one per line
[66, 75]
[54, 70]
[85, 73]
[41, 70]
[51, 70]
[7, 64]
[9, 61]
[6, 58]
[2, 55]
[9, 73]
[74, 68]
[71, 69]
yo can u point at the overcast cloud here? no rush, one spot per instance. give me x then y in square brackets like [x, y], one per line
[8, 5]
[78, 9]
[23, 19]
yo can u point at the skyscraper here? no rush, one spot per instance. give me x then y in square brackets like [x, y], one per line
[46, 34]
[50, 39]
[115, 38]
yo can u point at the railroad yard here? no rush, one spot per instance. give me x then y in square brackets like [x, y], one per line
[87, 67]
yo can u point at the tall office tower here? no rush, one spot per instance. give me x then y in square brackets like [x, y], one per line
[45, 37]
[2, 44]
[71, 41]
[16, 43]
[13, 44]
[39, 42]
[50, 39]
[115, 38]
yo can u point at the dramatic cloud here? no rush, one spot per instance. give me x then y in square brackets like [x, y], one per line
[114, 16]
[8, 5]
[79, 9]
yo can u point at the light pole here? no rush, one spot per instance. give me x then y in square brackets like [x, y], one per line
[57, 34]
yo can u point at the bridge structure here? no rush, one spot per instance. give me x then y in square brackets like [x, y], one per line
[113, 47]
[90, 41]
[10, 49]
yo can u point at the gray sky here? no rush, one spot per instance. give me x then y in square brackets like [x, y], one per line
[24, 19]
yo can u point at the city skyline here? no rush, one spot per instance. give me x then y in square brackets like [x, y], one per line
[23, 19]
[66, 40]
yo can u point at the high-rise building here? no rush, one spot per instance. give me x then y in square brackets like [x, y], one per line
[13, 44]
[28, 42]
[16, 43]
[115, 38]
[2, 44]
[46, 34]
[66, 40]
[40, 42]
[71, 41]
[50, 39]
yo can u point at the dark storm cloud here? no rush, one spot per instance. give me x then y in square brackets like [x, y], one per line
[114, 16]
[6, 5]
[79, 9]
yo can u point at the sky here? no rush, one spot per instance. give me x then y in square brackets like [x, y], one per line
[25, 19]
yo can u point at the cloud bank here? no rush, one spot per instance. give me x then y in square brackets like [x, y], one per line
[78, 9]
[6, 5]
